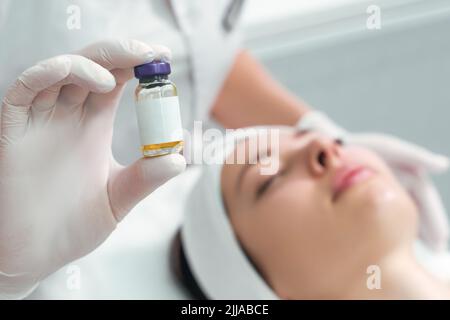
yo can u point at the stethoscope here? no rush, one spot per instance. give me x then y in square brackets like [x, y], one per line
[229, 19]
[232, 14]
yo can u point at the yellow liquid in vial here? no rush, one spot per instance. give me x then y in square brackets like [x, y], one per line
[161, 149]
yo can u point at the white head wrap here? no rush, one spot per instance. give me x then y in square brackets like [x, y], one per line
[217, 261]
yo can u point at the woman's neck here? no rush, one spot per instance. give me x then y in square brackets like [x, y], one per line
[402, 278]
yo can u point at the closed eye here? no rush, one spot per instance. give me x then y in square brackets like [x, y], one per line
[265, 185]
[268, 182]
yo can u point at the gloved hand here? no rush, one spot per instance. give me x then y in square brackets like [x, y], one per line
[412, 166]
[61, 190]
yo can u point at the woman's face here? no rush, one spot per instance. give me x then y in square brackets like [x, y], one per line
[329, 212]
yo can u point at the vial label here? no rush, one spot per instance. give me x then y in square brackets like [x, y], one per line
[159, 120]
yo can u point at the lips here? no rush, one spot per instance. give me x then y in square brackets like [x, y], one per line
[347, 176]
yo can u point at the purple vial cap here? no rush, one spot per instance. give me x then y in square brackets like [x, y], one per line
[152, 69]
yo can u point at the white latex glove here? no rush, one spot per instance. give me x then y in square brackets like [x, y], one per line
[61, 191]
[411, 164]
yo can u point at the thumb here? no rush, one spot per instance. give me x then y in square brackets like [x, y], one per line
[131, 184]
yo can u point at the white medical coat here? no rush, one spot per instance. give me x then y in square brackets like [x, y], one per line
[203, 51]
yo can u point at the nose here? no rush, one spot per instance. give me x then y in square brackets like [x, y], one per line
[324, 154]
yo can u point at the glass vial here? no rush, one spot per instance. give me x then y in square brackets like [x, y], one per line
[157, 110]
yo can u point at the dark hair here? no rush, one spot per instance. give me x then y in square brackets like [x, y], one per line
[180, 267]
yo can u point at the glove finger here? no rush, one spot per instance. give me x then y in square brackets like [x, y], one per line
[70, 102]
[43, 105]
[68, 94]
[17, 101]
[37, 78]
[401, 153]
[123, 75]
[124, 53]
[96, 103]
[49, 73]
[130, 185]
[100, 109]
[433, 223]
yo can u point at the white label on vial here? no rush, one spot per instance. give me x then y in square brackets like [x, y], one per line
[159, 120]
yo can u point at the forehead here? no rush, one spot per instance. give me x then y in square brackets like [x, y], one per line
[249, 148]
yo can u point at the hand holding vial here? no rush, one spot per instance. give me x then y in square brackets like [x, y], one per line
[62, 192]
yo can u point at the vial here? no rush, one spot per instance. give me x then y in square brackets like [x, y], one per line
[157, 110]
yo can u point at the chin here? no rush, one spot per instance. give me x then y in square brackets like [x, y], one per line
[384, 210]
[379, 196]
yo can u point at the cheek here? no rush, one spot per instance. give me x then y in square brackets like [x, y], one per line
[379, 214]
[297, 221]
[299, 199]
[383, 193]
[295, 213]
[379, 195]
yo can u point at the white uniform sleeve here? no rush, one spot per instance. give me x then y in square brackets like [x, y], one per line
[213, 39]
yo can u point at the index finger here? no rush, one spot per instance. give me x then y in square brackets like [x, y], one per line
[112, 54]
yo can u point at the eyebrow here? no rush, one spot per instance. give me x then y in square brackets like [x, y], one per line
[247, 166]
